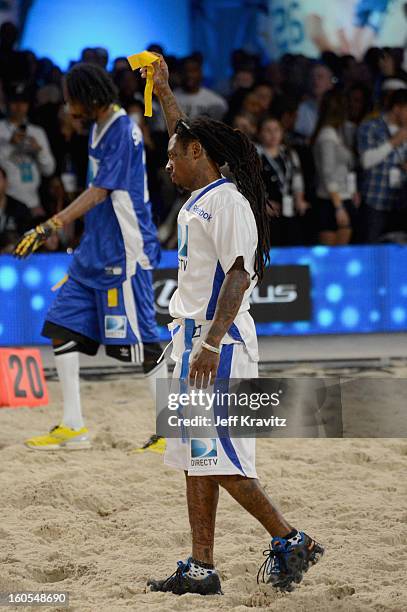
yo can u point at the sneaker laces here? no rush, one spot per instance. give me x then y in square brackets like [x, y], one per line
[275, 561]
[176, 579]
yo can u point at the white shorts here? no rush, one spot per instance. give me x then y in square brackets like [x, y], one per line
[211, 456]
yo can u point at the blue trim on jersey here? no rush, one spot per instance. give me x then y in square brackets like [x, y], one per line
[189, 332]
[222, 385]
[208, 188]
[218, 279]
[175, 330]
[183, 384]
[235, 333]
[216, 285]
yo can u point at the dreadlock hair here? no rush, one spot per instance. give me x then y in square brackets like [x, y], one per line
[91, 86]
[225, 145]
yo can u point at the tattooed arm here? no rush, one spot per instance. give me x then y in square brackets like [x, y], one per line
[205, 364]
[162, 90]
[230, 298]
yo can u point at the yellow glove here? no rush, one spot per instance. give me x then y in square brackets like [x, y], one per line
[34, 238]
[145, 59]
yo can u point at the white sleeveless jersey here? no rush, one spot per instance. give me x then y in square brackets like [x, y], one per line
[215, 227]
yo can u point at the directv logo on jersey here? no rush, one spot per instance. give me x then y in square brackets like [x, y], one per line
[115, 326]
[204, 453]
[201, 213]
[182, 247]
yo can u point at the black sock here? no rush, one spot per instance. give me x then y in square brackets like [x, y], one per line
[290, 535]
[202, 564]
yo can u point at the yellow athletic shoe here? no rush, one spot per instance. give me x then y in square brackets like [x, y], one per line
[61, 438]
[155, 444]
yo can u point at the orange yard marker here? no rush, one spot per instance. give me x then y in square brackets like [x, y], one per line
[22, 381]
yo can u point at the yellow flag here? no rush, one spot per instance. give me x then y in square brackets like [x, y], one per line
[145, 59]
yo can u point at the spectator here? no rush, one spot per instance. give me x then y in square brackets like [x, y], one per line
[322, 80]
[15, 218]
[252, 105]
[44, 72]
[194, 99]
[296, 75]
[359, 102]
[89, 56]
[243, 79]
[336, 212]
[264, 93]
[128, 83]
[71, 153]
[246, 123]
[102, 57]
[119, 64]
[285, 109]
[24, 153]
[47, 105]
[382, 146]
[390, 64]
[13, 64]
[290, 90]
[235, 104]
[388, 87]
[156, 48]
[273, 74]
[284, 184]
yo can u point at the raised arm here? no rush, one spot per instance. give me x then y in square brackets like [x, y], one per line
[162, 90]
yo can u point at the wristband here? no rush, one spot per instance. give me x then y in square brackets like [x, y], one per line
[208, 347]
[55, 223]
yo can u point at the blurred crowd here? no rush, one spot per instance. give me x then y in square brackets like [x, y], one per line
[331, 134]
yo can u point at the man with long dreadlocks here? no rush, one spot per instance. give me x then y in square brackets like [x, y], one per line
[223, 248]
[108, 296]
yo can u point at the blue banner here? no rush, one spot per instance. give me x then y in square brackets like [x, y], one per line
[354, 289]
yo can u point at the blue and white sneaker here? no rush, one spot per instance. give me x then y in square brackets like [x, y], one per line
[288, 560]
[189, 577]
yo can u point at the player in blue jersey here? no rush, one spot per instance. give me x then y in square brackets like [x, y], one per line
[108, 297]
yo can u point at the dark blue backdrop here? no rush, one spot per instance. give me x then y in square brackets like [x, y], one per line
[354, 289]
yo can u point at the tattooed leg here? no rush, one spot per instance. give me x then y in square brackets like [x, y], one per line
[202, 498]
[249, 493]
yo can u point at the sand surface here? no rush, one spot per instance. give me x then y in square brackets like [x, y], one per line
[99, 523]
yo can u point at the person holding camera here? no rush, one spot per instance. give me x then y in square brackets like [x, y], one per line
[24, 151]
